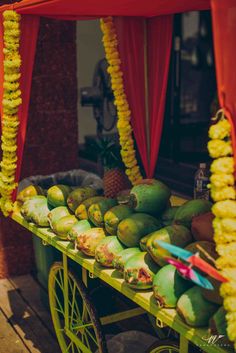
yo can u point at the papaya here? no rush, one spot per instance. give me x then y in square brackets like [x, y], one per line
[139, 271]
[205, 249]
[29, 191]
[36, 209]
[88, 240]
[133, 228]
[81, 211]
[97, 211]
[202, 228]
[56, 214]
[77, 229]
[168, 286]
[114, 216]
[150, 196]
[57, 195]
[194, 309]
[213, 295]
[176, 234]
[143, 242]
[63, 226]
[218, 323]
[107, 249]
[78, 195]
[168, 215]
[122, 257]
[190, 209]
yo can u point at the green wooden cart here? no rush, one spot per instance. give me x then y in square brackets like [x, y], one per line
[77, 325]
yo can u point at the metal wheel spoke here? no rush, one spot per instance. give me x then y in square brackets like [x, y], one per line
[58, 302]
[59, 311]
[59, 284]
[85, 338]
[91, 336]
[73, 301]
[70, 344]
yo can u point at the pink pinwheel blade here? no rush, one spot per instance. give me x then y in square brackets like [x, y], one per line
[206, 267]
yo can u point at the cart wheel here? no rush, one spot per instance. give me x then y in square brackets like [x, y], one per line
[82, 316]
[166, 346]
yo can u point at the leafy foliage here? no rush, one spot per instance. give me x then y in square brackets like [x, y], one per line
[109, 152]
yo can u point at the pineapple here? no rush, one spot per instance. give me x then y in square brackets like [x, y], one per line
[114, 179]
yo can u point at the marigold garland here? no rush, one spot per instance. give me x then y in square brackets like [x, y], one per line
[223, 193]
[11, 102]
[123, 111]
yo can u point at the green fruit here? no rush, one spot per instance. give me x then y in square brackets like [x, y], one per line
[97, 211]
[150, 196]
[143, 242]
[168, 215]
[78, 195]
[36, 209]
[107, 249]
[168, 286]
[64, 225]
[79, 228]
[57, 195]
[88, 240]
[194, 309]
[56, 214]
[190, 209]
[136, 226]
[139, 271]
[214, 294]
[177, 235]
[29, 191]
[81, 211]
[114, 216]
[205, 249]
[123, 256]
[218, 323]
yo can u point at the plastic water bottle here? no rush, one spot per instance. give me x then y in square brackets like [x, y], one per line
[201, 180]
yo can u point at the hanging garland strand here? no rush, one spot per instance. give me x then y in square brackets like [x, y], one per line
[10, 103]
[123, 111]
[222, 186]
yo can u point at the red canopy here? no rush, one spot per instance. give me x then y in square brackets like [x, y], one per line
[133, 46]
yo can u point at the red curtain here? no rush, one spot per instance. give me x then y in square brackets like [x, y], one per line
[224, 31]
[132, 42]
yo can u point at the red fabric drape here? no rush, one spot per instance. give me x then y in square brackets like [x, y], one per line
[132, 51]
[159, 49]
[74, 8]
[224, 31]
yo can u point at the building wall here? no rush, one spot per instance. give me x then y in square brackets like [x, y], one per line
[51, 141]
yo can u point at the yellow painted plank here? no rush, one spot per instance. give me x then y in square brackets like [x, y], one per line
[112, 277]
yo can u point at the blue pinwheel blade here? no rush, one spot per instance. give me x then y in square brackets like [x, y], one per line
[175, 250]
[200, 280]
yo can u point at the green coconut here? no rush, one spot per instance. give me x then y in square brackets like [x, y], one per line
[168, 286]
[205, 249]
[114, 216]
[150, 196]
[64, 225]
[143, 242]
[176, 235]
[107, 249]
[218, 323]
[122, 257]
[82, 210]
[190, 209]
[78, 195]
[56, 214]
[213, 295]
[168, 215]
[194, 309]
[57, 195]
[136, 226]
[79, 228]
[140, 270]
[88, 240]
[97, 211]
[36, 210]
[29, 191]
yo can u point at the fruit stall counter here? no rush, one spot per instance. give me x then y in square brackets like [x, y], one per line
[144, 299]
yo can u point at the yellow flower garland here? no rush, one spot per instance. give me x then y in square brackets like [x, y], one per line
[11, 102]
[123, 111]
[223, 193]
